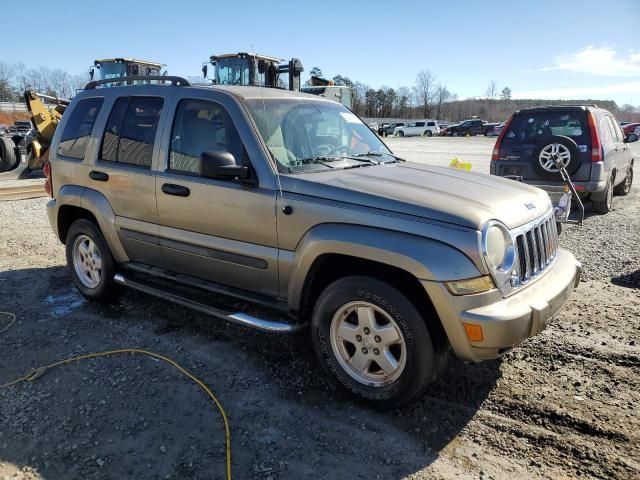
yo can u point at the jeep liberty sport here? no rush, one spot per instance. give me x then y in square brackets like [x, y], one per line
[203, 195]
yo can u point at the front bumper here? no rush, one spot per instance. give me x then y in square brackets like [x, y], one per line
[505, 322]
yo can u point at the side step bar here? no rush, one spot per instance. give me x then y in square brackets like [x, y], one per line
[240, 318]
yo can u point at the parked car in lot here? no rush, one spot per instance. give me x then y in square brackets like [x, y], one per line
[466, 128]
[630, 128]
[288, 205]
[493, 129]
[388, 128]
[425, 128]
[586, 139]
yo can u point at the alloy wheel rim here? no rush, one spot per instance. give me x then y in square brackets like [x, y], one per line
[87, 261]
[368, 344]
[628, 180]
[550, 154]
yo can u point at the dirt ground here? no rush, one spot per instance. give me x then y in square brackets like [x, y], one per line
[562, 406]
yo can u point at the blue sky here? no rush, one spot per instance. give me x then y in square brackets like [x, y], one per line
[558, 49]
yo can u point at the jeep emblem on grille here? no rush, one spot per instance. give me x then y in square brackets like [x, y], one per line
[530, 206]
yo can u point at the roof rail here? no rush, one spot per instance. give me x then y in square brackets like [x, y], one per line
[119, 80]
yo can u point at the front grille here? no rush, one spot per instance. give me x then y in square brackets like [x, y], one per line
[537, 246]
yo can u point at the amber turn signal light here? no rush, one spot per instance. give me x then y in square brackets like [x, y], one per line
[474, 332]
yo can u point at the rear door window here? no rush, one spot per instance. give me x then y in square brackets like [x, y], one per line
[77, 131]
[131, 131]
[419, 124]
[533, 127]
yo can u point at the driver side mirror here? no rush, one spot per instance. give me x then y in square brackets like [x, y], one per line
[92, 72]
[221, 165]
[631, 137]
[204, 70]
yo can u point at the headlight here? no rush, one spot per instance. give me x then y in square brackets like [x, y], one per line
[497, 246]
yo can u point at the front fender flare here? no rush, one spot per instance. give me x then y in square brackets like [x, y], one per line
[424, 258]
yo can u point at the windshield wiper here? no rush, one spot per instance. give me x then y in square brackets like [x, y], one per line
[321, 160]
[379, 154]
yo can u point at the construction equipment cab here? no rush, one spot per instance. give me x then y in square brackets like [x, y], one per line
[255, 70]
[123, 67]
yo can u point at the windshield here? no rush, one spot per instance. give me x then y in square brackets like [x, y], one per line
[318, 133]
[112, 70]
[232, 71]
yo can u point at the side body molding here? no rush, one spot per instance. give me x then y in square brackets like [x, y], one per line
[424, 258]
[96, 203]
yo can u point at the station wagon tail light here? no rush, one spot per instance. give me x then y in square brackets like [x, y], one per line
[596, 148]
[496, 148]
[46, 170]
[471, 285]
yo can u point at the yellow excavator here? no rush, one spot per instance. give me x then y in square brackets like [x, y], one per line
[23, 153]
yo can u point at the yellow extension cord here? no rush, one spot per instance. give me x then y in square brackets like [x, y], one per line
[38, 372]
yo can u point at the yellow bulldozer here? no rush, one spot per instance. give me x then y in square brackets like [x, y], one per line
[24, 152]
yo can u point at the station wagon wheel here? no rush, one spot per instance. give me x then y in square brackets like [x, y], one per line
[551, 154]
[368, 343]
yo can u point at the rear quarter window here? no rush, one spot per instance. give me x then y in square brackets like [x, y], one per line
[77, 131]
[533, 127]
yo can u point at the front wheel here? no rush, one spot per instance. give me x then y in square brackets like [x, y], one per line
[373, 342]
[90, 261]
[401, 134]
[625, 187]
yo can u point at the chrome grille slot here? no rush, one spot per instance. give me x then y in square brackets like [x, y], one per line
[537, 245]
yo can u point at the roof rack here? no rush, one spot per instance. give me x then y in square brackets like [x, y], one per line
[166, 78]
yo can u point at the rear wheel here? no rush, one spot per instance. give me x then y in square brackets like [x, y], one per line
[606, 204]
[625, 187]
[90, 261]
[373, 342]
[427, 133]
[8, 159]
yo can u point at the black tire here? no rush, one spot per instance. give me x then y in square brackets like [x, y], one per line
[428, 133]
[624, 187]
[559, 228]
[424, 360]
[107, 290]
[606, 204]
[574, 159]
[401, 133]
[8, 158]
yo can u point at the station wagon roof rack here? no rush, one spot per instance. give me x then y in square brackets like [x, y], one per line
[179, 81]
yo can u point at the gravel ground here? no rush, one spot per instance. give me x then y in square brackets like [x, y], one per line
[562, 405]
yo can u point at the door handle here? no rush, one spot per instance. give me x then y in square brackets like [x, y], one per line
[99, 176]
[177, 190]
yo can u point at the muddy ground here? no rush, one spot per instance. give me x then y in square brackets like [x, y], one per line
[563, 405]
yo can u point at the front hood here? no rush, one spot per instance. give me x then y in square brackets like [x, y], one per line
[460, 197]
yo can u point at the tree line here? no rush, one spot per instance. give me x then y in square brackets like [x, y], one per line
[427, 98]
[430, 98]
[16, 78]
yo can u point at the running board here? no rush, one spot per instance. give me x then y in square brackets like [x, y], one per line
[240, 318]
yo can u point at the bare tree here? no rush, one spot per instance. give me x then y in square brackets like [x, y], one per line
[442, 96]
[425, 84]
[492, 90]
[6, 92]
[403, 102]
